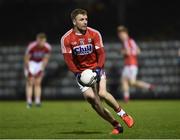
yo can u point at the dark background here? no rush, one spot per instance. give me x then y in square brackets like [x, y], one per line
[153, 24]
[146, 19]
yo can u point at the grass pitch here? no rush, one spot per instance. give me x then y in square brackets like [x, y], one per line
[76, 119]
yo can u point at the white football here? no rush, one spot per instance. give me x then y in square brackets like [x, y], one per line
[88, 76]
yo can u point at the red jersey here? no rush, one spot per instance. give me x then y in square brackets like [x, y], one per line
[86, 51]
[130, 59]
[38, 53]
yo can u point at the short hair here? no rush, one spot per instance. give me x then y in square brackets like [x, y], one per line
[122, 28]
[41, 36]
[76, 12]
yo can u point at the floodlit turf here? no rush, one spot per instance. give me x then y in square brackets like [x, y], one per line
[75, 119]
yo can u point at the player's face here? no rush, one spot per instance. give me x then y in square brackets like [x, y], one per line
[123, 36]
[41, 41]
[81, 22]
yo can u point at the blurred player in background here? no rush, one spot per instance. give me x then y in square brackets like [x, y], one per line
[130, 51]
[35, 62]
[83, 49]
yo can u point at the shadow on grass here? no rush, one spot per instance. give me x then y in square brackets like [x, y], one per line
[81, 132]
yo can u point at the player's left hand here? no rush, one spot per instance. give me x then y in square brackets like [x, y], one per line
[26, 70]
[98, 72]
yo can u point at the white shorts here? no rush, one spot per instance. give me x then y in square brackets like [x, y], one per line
[130, 72]
[34, 69]
[84, 88]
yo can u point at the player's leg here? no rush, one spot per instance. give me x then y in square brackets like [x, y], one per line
[103, 93]
[96, 104]
[110, 100]
[125, 88]
[140, 84]
[134, 82]
[29, 91]
[126, 73]
[37, 90]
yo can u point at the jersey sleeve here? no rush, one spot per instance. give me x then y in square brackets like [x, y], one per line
[125, 45]
[48, 48]
[67, 53]
[135, 47]
[29, 49]
[65, 46]
[99, 49]
[134, 44]
[98, 40]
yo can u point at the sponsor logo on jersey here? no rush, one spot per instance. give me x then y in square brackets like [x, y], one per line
[83, 49]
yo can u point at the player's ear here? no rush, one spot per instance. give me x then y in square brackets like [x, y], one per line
[74, 23]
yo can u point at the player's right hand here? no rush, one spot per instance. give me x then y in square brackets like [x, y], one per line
[78, 76]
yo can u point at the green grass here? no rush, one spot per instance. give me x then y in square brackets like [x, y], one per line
[75, 119]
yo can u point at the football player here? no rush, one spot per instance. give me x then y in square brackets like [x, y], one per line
[130, 52]
[83, 48]
[35, 62]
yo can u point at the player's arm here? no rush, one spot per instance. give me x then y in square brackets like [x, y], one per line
[100, 54]
[45, 60]
[99, 50]
[47, 55]
[26, 60]
[125, 51]
[138, 50]
[27, 57]
[69, 62]
[68, 57]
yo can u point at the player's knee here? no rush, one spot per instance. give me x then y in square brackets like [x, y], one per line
[29, 82]
[124, 80]
[132, 82]
[94, 103]
[103, 93]
[90, 98]
[37, 83]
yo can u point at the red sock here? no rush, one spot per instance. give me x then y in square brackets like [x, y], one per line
[117, 110]
[115, 123]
